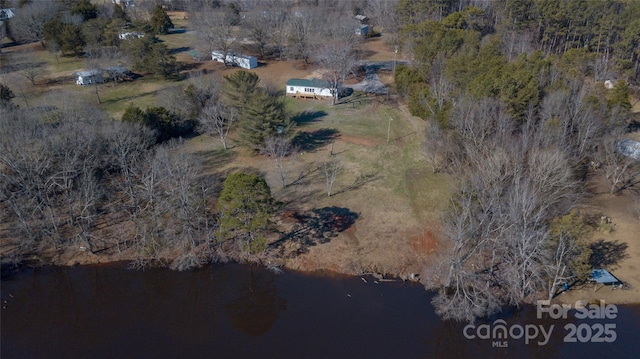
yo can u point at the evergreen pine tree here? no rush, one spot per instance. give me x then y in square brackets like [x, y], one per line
[263, 116]
[160, 21]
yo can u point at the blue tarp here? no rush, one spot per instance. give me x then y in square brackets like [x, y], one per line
[603, 276]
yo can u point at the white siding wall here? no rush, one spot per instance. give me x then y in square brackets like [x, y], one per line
[318, 91]
[246, 62]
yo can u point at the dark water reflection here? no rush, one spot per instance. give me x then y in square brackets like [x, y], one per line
[236, 311]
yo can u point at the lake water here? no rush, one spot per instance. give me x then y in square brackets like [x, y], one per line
[236, 311]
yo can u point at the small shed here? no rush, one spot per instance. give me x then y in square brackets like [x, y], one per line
[89, 77]
[362, 19]
[362, 30]
[308, 88]
[602, 276]
[244, 61]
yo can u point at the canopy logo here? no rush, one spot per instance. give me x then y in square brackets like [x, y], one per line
[500, 333]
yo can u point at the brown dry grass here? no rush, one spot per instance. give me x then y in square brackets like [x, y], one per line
[392, 208]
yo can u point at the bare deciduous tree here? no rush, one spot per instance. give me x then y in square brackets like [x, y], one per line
[338, 60]
[283, 153]
[214, 30]
[331, 169]
[28, 23]
[217, 119]
[258, 29]
[31, 71]
[511, 187]
[304, 29]
[276, 14]
[621, 171]
[93, 62]
[436, 146]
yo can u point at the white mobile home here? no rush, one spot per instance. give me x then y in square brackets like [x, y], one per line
[308, 88]
[246, 62]
[130, 35]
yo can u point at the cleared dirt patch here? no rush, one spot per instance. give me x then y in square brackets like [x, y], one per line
[424, 244]
[375, 49]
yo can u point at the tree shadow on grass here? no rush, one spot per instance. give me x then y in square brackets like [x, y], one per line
[214, 159]
[311, 141]
[129, 98]
[353, 98]
[607, 254]
[178, 50]
[360, 181]
[317, 226]
[5, 69]
[307, 117]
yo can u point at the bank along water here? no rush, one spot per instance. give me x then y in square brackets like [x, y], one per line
[238, 311]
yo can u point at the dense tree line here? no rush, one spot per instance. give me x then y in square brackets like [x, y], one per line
[522, 126]
[73, 179]
[82, 29]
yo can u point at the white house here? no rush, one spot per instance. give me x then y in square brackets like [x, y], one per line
[112, 73]
[89, 77]
[308, 88]
[246, 62]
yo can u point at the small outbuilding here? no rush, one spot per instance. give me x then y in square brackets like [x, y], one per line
[246, 62]
[362, 30]
[604, 277]
[308, 88]
[362, 19]
[89, 77]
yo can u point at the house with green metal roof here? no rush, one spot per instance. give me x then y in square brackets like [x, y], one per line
[308, 88]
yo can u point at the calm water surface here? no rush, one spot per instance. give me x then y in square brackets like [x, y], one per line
[235, 311]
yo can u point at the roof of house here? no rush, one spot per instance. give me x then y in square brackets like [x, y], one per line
[603, 276]
[117, 69]
[308, 83]
[87, 73]
[7, 13]
[232, 55]
[629, 148]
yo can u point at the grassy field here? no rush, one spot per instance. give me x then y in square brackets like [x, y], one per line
[389, 186]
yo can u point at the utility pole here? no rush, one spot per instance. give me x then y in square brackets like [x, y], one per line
[389, 130]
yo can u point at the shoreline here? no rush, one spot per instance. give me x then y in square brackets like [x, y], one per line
[585, 292]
